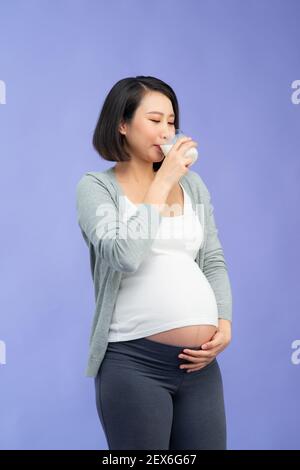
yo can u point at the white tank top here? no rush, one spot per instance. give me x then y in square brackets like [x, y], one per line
[168, 290]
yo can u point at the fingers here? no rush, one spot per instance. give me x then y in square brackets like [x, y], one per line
[209, 345]
[188, 145]
[193, 369]
[187, 141]
[195, 366]
[198, 356]
[197, 352]
[181, 140]
[188, 358]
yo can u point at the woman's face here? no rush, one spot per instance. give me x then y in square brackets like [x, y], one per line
[148, 128]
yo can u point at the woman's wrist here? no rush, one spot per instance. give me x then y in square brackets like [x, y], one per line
[225, 326]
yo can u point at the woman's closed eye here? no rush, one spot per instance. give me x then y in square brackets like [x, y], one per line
[171, 123]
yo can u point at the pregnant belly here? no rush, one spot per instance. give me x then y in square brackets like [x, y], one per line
[188, 336]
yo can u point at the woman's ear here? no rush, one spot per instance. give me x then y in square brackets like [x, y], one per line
[122, 128]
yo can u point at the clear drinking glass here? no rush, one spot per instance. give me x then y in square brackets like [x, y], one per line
[166, 147]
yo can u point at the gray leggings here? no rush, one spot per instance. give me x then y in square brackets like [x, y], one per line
[145, 401]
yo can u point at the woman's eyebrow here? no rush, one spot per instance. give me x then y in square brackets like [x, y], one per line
[158, 112]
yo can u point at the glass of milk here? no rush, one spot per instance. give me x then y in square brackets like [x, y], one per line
[166, 147]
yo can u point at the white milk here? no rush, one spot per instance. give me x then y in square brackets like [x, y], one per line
[191, 153]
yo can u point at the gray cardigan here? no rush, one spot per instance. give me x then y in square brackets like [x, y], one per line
[111, 253]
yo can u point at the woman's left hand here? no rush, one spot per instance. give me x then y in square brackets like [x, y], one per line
[202, 357]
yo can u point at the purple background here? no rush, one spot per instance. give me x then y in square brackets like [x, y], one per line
[231, 64]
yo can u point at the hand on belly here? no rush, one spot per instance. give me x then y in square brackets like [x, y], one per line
[192, 335]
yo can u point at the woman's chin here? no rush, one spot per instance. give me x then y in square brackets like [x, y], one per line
[159, 156]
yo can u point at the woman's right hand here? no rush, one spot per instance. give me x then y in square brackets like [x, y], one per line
[175, 164]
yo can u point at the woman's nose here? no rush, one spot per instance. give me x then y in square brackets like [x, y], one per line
[166, 136]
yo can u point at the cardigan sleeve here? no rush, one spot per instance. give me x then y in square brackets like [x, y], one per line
[214, 266]
[122, 245]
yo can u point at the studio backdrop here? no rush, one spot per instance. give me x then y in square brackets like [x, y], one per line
[235, 67]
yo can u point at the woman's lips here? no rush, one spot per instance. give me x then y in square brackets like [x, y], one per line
[158, 147]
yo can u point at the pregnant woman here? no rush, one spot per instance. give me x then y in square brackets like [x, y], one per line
[163, 297]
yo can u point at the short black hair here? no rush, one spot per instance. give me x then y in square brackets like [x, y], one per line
[119, 106]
